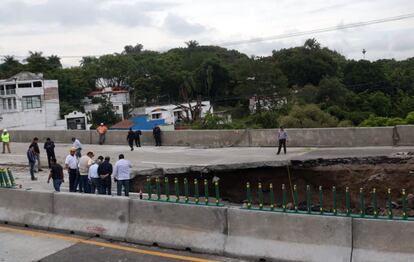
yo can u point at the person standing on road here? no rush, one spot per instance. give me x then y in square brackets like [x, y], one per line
[84, 164]
[49, 146]
[78, 146]
[5, 138]
[102, 131]
[71, 164]
[105, 172]
[122, 173]
[282, 136]
[137, 138]
[130, 138]
[94, 177]
[31, 156]
[56, 174]
[156, 132]
[36, 149]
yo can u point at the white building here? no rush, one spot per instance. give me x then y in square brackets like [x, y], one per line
[171, 113]
[119, 96]
[27, 101]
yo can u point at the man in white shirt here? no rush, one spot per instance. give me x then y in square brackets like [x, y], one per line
[78, 146]
[93, 175]
[71, 164]
[122, 171]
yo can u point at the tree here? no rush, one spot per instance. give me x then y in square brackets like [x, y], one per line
[308, 116]
[36, 62]
[10, 67]
[132, 50]
[192, 44]
[105, 114]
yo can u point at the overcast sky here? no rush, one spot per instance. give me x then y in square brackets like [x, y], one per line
[94, 27]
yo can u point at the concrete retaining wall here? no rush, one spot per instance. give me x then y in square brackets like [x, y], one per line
[92, 215]
[290, 237]
[218, 230]
[299, 137]
[23, 207]
[382, 240]
[199, 228]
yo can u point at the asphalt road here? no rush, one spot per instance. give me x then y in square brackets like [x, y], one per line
[24, 245]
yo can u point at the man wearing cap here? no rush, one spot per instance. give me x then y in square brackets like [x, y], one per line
[71, 164]
[102, 131]
[84, 163]
[5, 138]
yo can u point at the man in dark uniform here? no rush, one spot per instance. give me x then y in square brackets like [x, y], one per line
[105, 172]
[156, 132]
[50, 150]
[130, 138]
[137, 139]
[36, 149]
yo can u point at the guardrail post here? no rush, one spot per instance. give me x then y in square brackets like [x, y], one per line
[260, 192]
[389, 203]
[320, 200]
[186, 190]
[177, 190]
[404, 204]
[249, 195]
[157, 182]
[295, 198]
[196, 191]
[361, 202]
[206, 195]
[11, 178]
[167, 188]
[149, 188]
[374, 202]
[2, 184]
[217, 189]
[284, 197]
[335, 211]
[272, 197]
[348, 202]
[308, 199]
[6, 179]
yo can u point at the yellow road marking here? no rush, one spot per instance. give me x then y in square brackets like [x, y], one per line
[102, 244]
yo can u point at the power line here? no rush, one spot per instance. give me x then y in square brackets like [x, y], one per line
[280, 36]
[320, 30]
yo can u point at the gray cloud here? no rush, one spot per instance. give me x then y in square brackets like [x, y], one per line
[80, 12]
[179, 26]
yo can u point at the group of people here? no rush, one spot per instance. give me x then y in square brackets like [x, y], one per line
[133, 137]
[86, 174]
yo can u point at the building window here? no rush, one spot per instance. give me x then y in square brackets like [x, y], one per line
[156, 116]
[9, 103]
[30, 102]
[37, 84]
[24, 85]
[14, 103]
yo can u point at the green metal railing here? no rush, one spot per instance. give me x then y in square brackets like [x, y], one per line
[199, 196]
[6, 179]
[362, 208]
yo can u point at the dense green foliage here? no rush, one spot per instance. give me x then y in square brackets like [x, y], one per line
[304, 86]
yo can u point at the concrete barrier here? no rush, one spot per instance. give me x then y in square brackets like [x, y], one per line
[199, 228]
[23, 207]
[86, 214]
[299, 137]
[382, 240]
[282, 236]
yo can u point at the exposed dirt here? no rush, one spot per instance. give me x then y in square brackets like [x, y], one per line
[380, 174]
